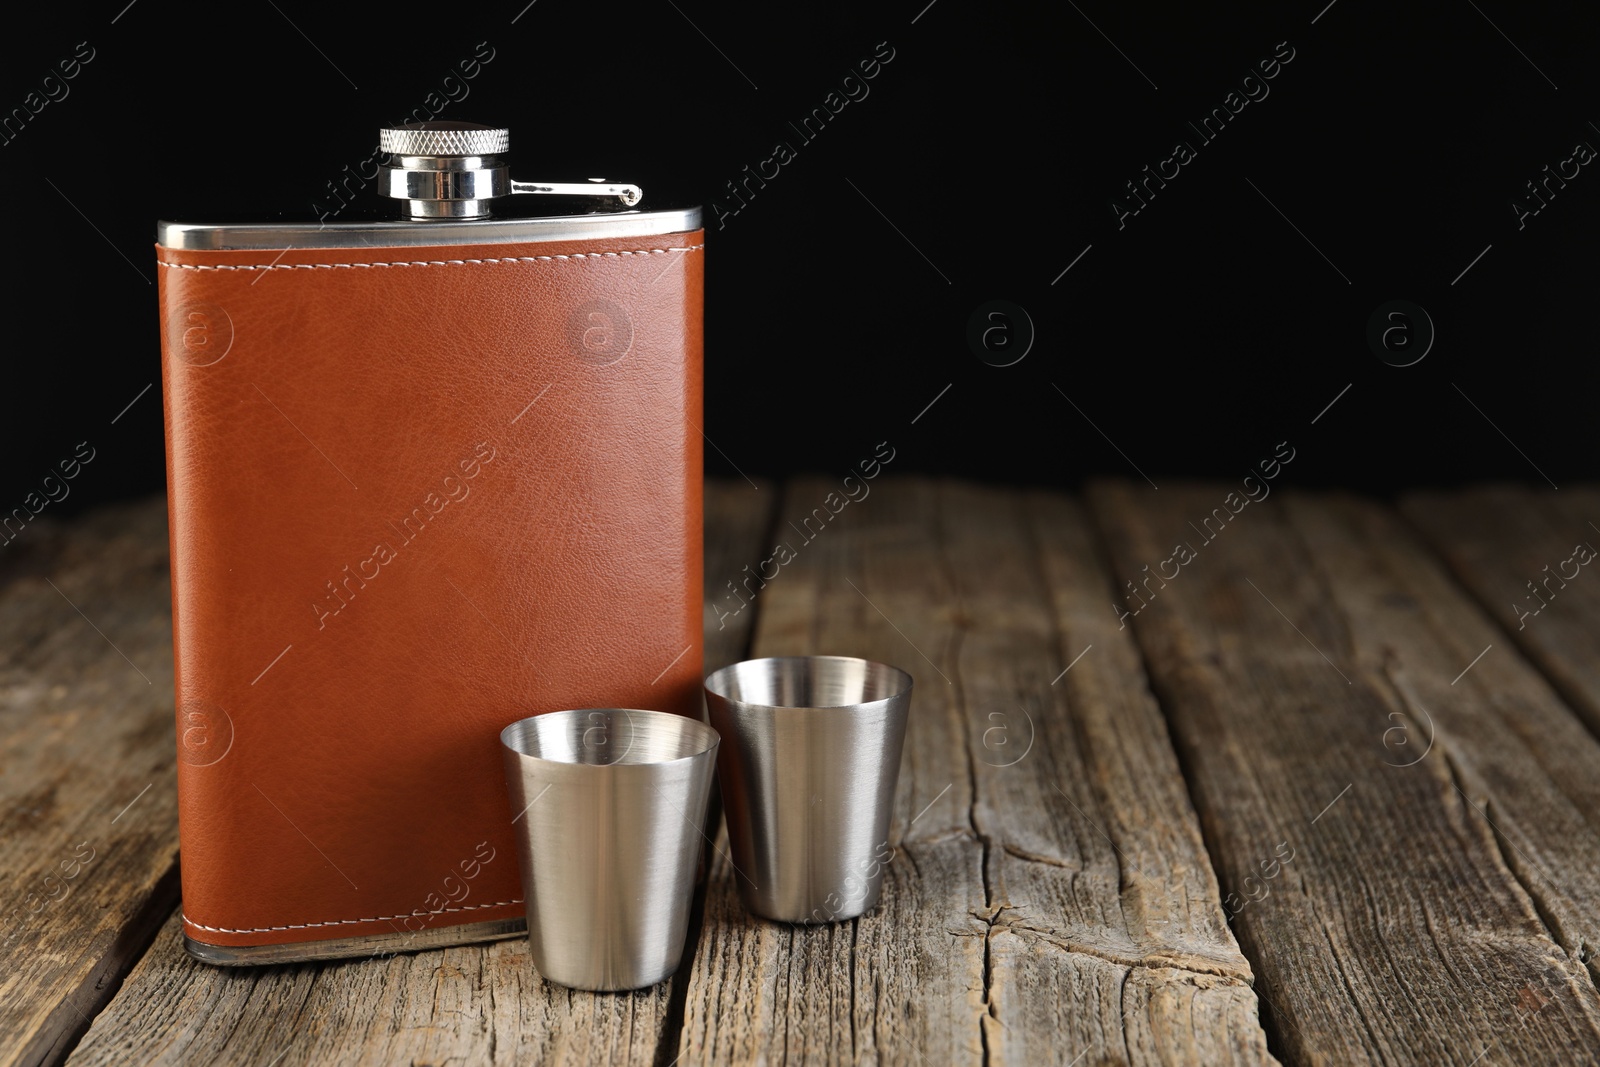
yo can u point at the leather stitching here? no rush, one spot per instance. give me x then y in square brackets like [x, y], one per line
[426, 262]
[341, 922]
[411, 263]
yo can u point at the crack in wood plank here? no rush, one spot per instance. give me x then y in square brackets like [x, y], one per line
[1506, 735]
[956, 570]
[1400, 874]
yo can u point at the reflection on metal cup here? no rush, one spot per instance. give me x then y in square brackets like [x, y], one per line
[609, 805]
[810, 754]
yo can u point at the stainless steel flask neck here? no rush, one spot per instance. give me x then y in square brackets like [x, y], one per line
[454, 170]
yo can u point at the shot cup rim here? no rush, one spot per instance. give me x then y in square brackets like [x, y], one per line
[715, 684]
[705, 737]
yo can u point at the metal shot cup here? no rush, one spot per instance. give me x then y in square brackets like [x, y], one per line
[609, 808]
[810, 754]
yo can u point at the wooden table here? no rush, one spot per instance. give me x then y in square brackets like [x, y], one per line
[1322, 800]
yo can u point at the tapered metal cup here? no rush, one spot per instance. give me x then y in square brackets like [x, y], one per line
[609, 805]
[810, 754]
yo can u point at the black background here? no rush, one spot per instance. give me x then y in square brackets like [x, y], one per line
[983, 161]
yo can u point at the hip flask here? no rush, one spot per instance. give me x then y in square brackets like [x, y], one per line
[427, 475]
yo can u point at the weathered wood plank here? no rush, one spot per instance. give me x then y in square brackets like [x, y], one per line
[1520, 754]
[1050, 901]
[737, 518]
[88, 815]
[1396, 934]
[1513, 547]
[469, 1004]
[1187, 998]
[737, 521]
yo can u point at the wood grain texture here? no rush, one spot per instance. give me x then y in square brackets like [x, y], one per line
[1397, 934]
[1510, 545]
[468, 1004]
[1050, 901]
[1518, 753]
[88, 814]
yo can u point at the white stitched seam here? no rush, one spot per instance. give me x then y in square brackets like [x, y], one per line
[342, 922]
[426, 262]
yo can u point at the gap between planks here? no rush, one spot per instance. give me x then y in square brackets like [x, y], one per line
[1350, 584]
[978, 926]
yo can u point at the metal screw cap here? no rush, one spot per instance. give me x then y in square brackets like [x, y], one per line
[453, 170]
[444, 139]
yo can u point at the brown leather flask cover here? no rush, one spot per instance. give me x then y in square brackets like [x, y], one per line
[416, 493]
